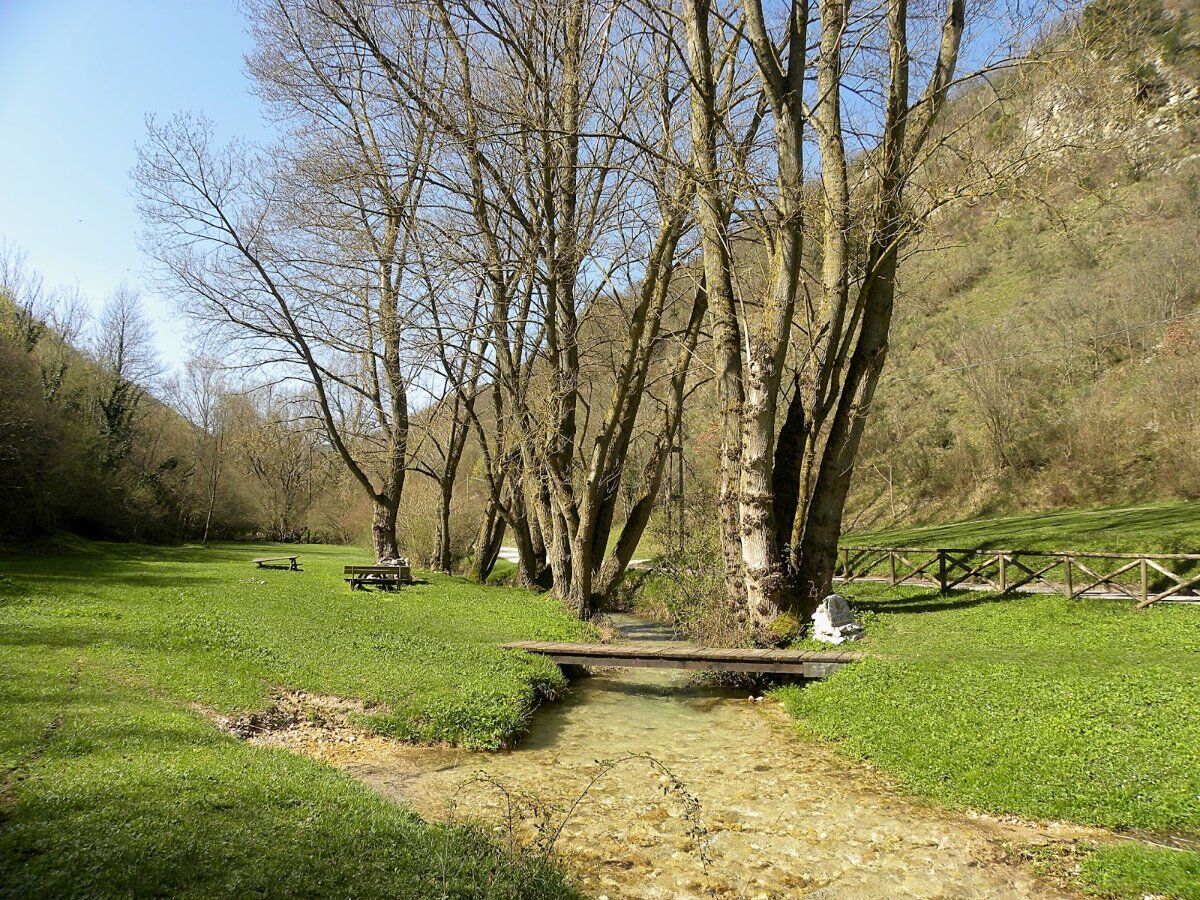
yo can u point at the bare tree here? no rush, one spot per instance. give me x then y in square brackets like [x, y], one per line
[202, 394]
[123, 346]
[453, 309]
[302, 258]
[287, 461]
[49, 321]
[561, 122]
[29, 302]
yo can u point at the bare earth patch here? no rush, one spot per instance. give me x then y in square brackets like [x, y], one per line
[320, 726]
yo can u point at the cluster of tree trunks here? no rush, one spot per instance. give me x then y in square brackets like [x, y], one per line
[482, 199]
[787, 461]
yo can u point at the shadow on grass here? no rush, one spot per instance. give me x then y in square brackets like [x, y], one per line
[396, 591]
[52, 636]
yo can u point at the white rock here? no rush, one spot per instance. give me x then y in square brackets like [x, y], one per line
[834, 622]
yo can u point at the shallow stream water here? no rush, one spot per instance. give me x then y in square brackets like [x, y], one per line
[777, 816]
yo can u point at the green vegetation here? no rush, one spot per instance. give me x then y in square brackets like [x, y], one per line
[1157, 527]
[1133, 872]
[113, 783]
[206, 626]
[1040, 352]
[1082, 710]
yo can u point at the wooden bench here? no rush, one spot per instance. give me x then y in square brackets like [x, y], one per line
[268, 562]
[383, 577]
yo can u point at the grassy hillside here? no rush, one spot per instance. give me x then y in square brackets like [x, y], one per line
[1155, 527]
[1043, 351]
[114, 783]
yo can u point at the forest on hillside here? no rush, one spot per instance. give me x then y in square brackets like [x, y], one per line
[98, 439]
[1043, 353]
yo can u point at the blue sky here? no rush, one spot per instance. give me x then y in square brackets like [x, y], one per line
[77, 80]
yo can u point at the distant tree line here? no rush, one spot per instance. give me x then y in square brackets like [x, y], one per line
[96, 439]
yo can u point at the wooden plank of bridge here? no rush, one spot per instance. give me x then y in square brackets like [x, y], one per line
[809, 663]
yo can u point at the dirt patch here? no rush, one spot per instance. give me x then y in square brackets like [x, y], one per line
[318, 725]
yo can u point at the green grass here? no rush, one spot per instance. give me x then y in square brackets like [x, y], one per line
[204, 625]
[1134, 872]
[114, 785]
[1080, 710]
[1157, 527]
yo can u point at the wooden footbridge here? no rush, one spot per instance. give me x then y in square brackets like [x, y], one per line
[806, 663]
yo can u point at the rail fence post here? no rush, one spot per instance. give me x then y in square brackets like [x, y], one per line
[1145, 579]
[1067, 571]
[941, 555]
[892, 565]
[1003, 573]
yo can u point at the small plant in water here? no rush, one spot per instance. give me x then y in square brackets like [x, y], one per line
[548, 820]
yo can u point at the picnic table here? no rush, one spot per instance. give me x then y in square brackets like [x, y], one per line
[275, 562]
[383, 577]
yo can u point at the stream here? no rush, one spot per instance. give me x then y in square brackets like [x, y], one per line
[777, 816]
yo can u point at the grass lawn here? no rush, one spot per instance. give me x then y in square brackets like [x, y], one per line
[114, 785]
[1157, 527]
[1085, 710]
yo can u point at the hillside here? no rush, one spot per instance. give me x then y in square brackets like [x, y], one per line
[1042, 354]
[1045, 342]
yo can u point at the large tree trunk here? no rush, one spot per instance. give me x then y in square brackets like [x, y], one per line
[816, 560]
[817, 554]
[578, 595]
[761, 565]
[532, 571]
[715, 243]
[383, 528]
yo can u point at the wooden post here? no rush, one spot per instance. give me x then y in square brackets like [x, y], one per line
[942, 570]
[1145, 580]
[1067, 570]
[1003, 573]
[892, 566]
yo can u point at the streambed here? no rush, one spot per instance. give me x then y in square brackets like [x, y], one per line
[756, 812]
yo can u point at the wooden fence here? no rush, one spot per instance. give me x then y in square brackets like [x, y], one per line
[1145, 578]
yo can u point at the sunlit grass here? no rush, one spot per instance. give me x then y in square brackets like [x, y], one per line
[1087, 710]
[115, 785]
[1155, 527]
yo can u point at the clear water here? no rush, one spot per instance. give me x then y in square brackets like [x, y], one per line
[778, 816]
